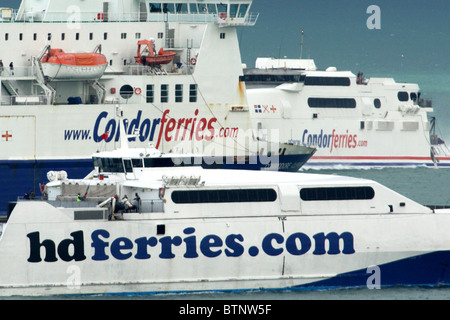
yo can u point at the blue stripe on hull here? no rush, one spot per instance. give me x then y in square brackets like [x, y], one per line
[429, 269]
[20, 177]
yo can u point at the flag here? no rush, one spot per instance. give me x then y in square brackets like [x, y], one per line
[105, 136]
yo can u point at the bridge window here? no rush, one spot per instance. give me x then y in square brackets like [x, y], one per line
[193, 8]
[337, 193]
[339, 103]
[212, 8]
[169, 8]
[182, 8]
[202, 8]
[155, 8]
[403, 96]
[222, 8]
[224, 196]
[243, 10]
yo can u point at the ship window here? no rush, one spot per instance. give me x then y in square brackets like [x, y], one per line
[377, 103]
[123, 35]
[212, 8]
[20, 36]
[126, 91]
[91, 36]
[222, 8]
[150, 93]
[138, 163]
[105, 36]
[34, 36]
[413, 96]
[128, 166]
[77, 36]
[202, 8]
[179, 93]
[181, 8]
[233, 10]
[403, 96]
[49, 36]
[193, 93]
[6, 36]
[63, 36]
[193, 8]
[110, 164]
[155, 8]
[224, 196]
[164, 93]
[337, 194]
[138, 35]
[243, 10]
[222, 35]
[340, 103]
[327, 81]
[169, 8]
[160, 35]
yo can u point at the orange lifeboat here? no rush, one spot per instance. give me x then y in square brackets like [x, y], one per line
[59, 65]
[146, 54]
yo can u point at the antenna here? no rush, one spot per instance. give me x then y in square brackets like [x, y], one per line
[301, 45]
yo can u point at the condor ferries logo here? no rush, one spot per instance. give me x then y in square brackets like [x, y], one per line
[167, 128]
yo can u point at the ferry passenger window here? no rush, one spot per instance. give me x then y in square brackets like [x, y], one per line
[179, 93]
[181, 7]
[105, 36]
[403, 96]
[34, 36]
[123, 35]
[193, 93]
[155, 8]
[49, 36]
[160, 35]
[222, 35]
[6, 36]
[91, 36]
[212, 8]
[77, 36]
[337, 193]
[20, 36]
[193, 8]
[340, 103]
[243, 10]
[150, 93]
[224, 196]
[164, 93]
[138, 35]
[413, 96]
[63, 36]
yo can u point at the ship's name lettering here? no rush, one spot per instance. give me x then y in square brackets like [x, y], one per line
[190, 246]
[167, 128]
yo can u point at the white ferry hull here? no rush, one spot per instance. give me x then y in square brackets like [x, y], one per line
[218, 254]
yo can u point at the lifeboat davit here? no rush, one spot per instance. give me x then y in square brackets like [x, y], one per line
[58, 65]
[146, 54]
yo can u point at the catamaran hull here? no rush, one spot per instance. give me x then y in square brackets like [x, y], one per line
[38, 257]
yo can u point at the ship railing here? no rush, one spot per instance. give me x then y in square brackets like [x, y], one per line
[140, 70]
[17, 71]
[24, 100]
[76, 17]
[425, 103]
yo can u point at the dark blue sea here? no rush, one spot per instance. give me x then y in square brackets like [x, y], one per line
[412, 45]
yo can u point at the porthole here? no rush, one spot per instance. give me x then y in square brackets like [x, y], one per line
[126, 91]
[377, 103]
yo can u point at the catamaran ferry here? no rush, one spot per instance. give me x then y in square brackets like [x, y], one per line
[136, 229]
[175, 68]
